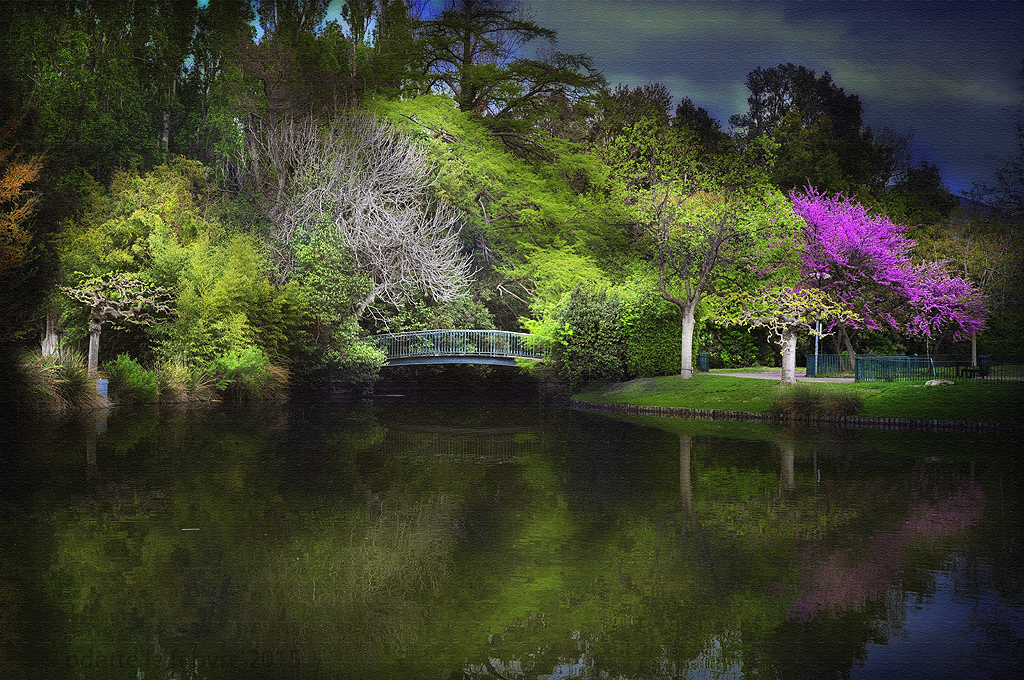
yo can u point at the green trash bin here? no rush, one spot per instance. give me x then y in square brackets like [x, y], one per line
[703, 362]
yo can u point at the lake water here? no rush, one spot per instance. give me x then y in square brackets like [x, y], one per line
[501, 535]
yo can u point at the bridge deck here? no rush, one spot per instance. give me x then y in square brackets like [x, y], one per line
[458, 346]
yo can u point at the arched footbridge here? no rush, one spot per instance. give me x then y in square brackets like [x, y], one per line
[500, 348]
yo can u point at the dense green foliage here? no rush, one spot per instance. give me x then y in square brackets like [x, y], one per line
[574, 207]
[601, 334]
[129, 382]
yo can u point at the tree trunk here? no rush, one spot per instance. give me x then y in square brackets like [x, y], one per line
[789, 357]
[94, 346]
[51, 340]
[849, 347]
[689, 322]
[974, 350]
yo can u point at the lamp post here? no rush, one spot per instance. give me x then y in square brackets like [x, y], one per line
[817, 276]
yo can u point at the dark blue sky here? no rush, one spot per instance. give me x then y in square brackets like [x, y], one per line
[949, 70]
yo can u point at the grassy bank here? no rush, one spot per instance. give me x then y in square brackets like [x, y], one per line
[972, 400]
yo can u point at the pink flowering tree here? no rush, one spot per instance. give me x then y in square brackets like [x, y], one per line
[863, 261]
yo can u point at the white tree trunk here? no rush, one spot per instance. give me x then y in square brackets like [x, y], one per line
[686, 354]
[94, 348]
[789, 357]
[51, 340]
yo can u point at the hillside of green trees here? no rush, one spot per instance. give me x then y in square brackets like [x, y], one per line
[227, 198]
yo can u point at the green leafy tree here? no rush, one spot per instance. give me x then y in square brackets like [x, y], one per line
[207, 120]
[293, 69]
[696, 118]
[983, 245]
[820, 132]
[385, 59]
[472, 52]
[777, 91]
[698, 225]
[919, 197]
[1009, 187]
[98, 79]
[784, 312]
[162, 228]
[617, 109]
[471, 44]
[584, 336]
[333, 354]
[534, 229]
[226, 302]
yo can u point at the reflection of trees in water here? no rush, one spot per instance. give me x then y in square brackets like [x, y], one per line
[761, 505]
[848, 541]
[489, 444]
[351, 583]
[845, 572]
[650, 575]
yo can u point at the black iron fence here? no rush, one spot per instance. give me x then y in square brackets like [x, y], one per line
[906, 368]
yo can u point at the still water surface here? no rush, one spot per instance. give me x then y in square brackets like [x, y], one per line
[502, 535]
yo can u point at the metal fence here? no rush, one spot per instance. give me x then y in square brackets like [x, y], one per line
[945, 366]
[829, 366]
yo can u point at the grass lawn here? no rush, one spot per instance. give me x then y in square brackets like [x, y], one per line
[971, 400]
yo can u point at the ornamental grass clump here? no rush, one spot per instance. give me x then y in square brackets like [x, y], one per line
[803, 401]
[59, 383]
[180, 382]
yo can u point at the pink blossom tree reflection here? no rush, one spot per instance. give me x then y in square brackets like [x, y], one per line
[836, 579]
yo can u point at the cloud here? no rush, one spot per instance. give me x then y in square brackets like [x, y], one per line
[948, 69]
[902, 82]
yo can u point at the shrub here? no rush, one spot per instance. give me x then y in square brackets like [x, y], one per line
[129, 382]
[650, 331]
[805, 401]
[248, 374]
[359, 364]
[586, 340]
[735, 347]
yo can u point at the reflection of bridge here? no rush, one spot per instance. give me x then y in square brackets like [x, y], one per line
[458, 347]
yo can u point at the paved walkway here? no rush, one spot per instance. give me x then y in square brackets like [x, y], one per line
[778, 376]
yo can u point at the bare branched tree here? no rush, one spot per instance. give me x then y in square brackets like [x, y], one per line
[369, 183]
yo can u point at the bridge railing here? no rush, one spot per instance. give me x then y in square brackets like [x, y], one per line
[459, 342]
